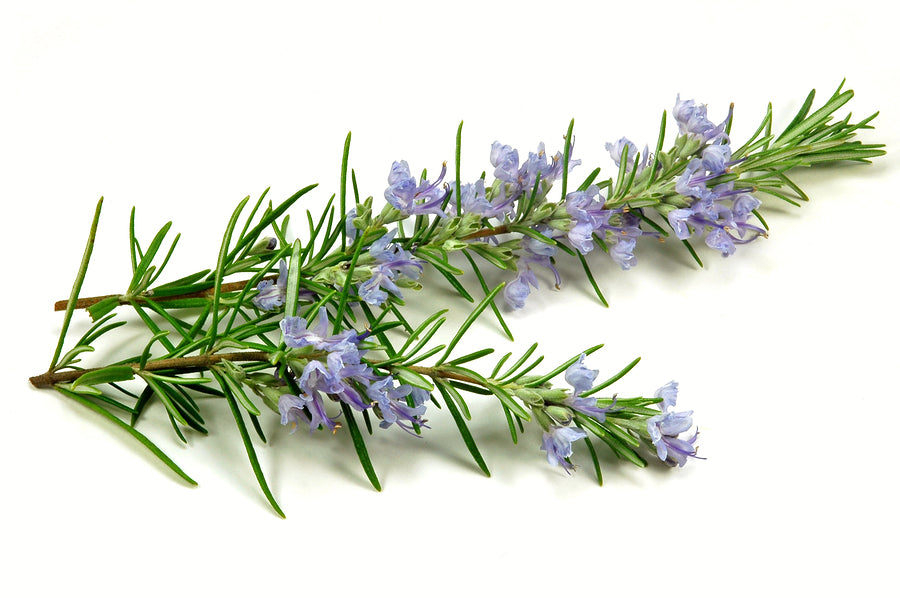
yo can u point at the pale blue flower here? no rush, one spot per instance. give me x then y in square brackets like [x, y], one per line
[518, 290]
[664, 430]
[668, 393]
[716, 158]
[271, 295]
[309, 410]
[473, 198]
[413, 198]
[297, 334]
[618, 148]
[692, 120]
[393, 406]
[557, 442]
[622, 252]
[393, 261]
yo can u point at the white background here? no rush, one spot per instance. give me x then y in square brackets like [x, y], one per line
[786, 351]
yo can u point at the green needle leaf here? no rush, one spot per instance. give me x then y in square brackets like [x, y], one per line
[76, 288]
[469, 321]
[248, 444]
[359, 443]
[137, 435]
[447, 392]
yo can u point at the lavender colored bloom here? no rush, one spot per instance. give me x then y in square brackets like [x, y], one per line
[664, 430]
[722, 212]
[309, 410]
[692, 120]
[691, 185]
[616, 149]
[716, 158]
[668, 393]
[272, 295]
[678, 220]
[393, 407]
[518, 290]
[382, 278]
[297, 334]
[393, 262]
[580, 377]
[473, 199]
[349, 228]
[590, 217]
[586, 211]
[721, 241]
[622, 252]
[557, 442]
[505, 161]
[413, 198]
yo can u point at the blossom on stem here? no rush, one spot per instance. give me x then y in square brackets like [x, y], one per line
[413, 198]
[618, 148]
[306, 409]
[557, 442]
[522, 178]
[722, 212]
[664, 430]
[392, 404]
[537, 253]
[393, 261]
[271, 295]
[473, 200]
[582, 379]
[692, 120]
[589, 217]
[297, 334]
[668, 393]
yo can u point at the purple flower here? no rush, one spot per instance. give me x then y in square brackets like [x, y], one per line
[297, 334]
[722, 212]
[692, 120]
[349, 228]
[505, 160]
[664, 430]
[589, 217]
[622, 252]
[582, 379]
[616, 149]
[393, 406]
[518, 290]
[668, 393]
[272, 294]
[310, 410]
[557, 442]
[393, 261]
[535, 253]
[473, 199]
[413, 198]
[716, 158]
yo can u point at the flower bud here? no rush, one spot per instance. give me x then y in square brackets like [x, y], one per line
[263, 245]
[560, 414]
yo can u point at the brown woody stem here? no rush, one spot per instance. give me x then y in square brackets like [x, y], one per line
[85, 302]
[48, 379]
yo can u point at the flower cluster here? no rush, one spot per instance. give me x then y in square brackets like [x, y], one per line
[392, 262]
[665, 429]
[336, 371]
[412, 198]
[723, 210]
[558, 433]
